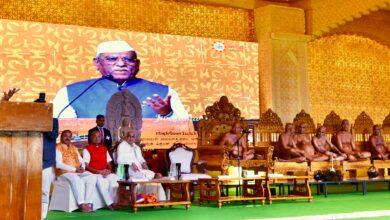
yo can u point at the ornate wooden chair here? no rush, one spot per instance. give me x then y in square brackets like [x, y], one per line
[386, 129]
[218, 120]
[266, 132]
[183, 155]
[303, 117]
[362, 130]
[332, 123]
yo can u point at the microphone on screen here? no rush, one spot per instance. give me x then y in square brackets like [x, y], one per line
[109, 77]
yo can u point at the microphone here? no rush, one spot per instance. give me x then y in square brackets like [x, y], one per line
[245, 131]
[109, 76]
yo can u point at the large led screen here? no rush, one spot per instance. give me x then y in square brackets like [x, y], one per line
[41, 57]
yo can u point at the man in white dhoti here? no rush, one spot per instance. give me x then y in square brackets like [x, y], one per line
[97, 161]
[129, 153]
[70, 167]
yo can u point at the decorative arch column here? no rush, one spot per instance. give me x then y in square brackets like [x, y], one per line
[283, 75]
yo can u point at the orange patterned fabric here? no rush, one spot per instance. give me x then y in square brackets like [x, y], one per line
[69, 157]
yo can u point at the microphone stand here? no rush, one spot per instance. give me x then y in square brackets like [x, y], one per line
[237, 144]
[85, 90]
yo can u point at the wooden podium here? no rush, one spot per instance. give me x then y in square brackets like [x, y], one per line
[21, 127]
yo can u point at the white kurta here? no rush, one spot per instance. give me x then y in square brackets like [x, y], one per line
[82, 184]
[129, 154]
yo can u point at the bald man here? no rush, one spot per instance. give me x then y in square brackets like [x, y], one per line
[286, 149]
[346, 144]
[378, 147]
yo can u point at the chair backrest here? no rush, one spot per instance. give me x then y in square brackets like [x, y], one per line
[332, 124]
[362, 130]
[303, 117]
[266, 132]
[180, 153]
[218, 120]
[386, 129]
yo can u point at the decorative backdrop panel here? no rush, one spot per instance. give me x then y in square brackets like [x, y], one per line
[156, 16]
[349, 74]
[41, 57]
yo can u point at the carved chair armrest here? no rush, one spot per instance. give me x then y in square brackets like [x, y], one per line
[201, 166]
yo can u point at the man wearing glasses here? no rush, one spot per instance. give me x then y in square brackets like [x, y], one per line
[118, 63]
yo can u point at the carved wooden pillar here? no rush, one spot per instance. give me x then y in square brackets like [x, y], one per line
[282, 60]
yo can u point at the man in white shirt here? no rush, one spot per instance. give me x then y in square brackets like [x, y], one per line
[97, 161]
[70, 168]
[129, 153]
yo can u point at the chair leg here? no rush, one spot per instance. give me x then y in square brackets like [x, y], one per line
[192, 192]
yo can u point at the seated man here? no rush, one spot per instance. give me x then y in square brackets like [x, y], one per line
[237, 149]
[97, 161]
[69, 167]
[346, 143]
[303, 143]
[286, 149]
[129, 153]
[320, 142]
[378, 146]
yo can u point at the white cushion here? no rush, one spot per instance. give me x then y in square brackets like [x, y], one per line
[180, 155]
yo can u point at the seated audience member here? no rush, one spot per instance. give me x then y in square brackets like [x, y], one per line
[303, 143]
[48, 162]
[286, 149]
[378, 146]
[320, 142]
[237, 149]
[346, 143]
[9, 94]
[97, 161]
[105, 134]
[130, 153]
[69, 167]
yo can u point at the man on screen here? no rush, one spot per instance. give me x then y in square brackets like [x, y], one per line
[117, 62]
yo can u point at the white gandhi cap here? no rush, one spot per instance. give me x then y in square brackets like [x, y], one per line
[114, 46]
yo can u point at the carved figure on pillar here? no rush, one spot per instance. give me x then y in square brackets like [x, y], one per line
[124, 108]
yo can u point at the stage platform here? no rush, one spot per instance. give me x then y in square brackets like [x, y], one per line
[343, 200]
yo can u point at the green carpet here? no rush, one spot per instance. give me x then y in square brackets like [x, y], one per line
[344, 202]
